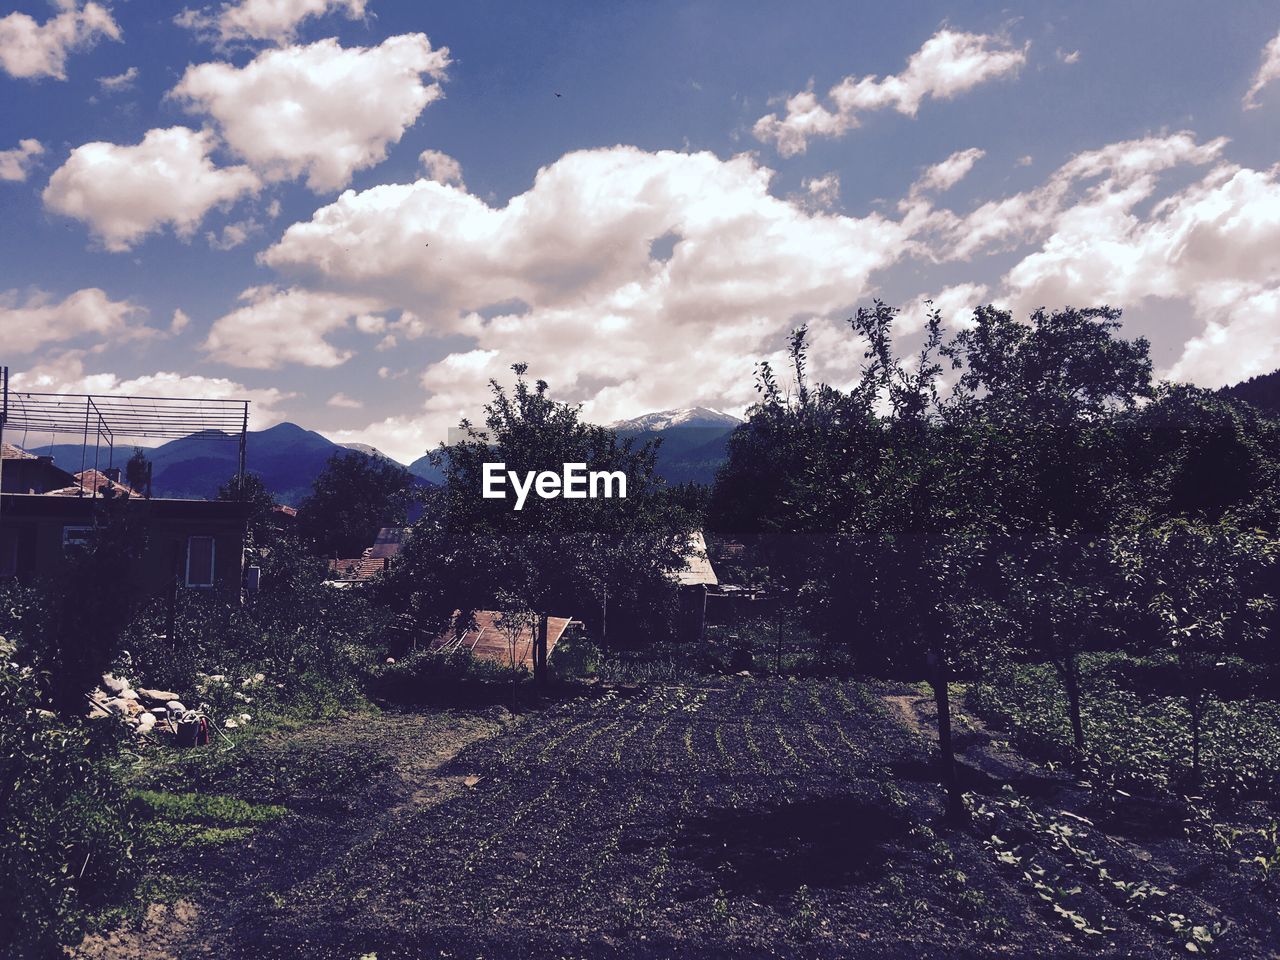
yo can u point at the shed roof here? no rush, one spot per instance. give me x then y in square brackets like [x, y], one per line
[697, 568]
[488, 641]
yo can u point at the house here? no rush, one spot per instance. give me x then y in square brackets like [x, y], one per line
[47, 512]
[375, 559]
[489, 641]
[198, 542]
[24, 472]
[696, 579]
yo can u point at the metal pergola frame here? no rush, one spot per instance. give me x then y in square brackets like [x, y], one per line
[103, 419]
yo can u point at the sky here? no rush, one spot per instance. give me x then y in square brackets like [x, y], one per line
[354, 213]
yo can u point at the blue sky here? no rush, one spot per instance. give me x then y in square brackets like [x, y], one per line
[237, 202]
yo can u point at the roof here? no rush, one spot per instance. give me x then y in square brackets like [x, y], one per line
[88, 481]
[358, 568]
[284, 508]
[697, 568]
[9, 452]
[488, 641]
[388, 542]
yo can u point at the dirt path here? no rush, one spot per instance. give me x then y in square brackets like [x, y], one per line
[411, 747]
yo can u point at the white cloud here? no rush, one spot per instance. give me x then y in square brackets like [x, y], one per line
[1068, 56]
[945, 175]
[233, 234]
[1100, 232]
[441, 167]
[1268, 71]
[947, 65]
[65, 373]
[342, 401]
[823, 191]
[273, 20]
[125, 192]
[118, 82]
[15, 164]
[36, 319]
[1119, 174]
[318, 111]
[31, 49]
[277, 326]
[563, 277]
[179, 322]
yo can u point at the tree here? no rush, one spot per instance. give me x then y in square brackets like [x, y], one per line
[1043, 401]
[1195, 588]
[354, 496]
[262, 524]
[137, 472]
[557, 555]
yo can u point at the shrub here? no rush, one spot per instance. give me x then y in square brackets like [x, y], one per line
[64, 826]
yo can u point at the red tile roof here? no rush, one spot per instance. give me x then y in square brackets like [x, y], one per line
[9, 452]
[488, 641]
[91, 480]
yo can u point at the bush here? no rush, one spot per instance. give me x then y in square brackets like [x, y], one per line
[64, 826]
[455, 677]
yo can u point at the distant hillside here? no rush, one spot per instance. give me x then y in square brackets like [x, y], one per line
[694, 444]
[286, 456]
[1262, 391]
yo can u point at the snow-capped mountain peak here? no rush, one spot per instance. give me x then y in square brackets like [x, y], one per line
[684, 417]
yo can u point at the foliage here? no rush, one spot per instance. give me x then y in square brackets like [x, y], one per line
[137, 471]
[605, 559]
[64, 827]
[354, 496]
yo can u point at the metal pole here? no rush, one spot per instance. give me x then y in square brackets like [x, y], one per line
[4, 416]
[244, 433]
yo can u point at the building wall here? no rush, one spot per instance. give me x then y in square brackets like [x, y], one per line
[38, 530]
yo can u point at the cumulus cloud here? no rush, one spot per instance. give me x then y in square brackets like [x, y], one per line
[1100, 230]
[948, 64]
[31, 49]
[943, 176]
[180, 321]
[119, 82]
[35, 319]
[15, 164]
[564, 276]
[65, 373]
[343, 402]
[823, 191]
[232, 234]
[441, 167]
[272, 20]
[1268, 71]
[279, 326]
[319, 111]
[125, 192]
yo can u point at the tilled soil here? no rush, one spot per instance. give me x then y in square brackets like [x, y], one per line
[741, 818]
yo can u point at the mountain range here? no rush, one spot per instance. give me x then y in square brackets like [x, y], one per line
[289, 457]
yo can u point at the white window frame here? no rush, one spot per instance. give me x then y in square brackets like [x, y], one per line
[70, 540]
[213, 559]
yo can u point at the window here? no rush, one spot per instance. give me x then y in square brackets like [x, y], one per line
[76, 537]
[200, 561]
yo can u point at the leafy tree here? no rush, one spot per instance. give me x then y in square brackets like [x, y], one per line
[1195, 587]
[262, 526]
[570, 556]
[137, 472]
[1042, 401]
[354, 496]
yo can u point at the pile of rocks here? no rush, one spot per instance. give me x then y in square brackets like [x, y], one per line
[142, 708]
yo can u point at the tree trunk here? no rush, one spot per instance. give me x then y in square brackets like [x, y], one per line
[946, 747]
[541, 674]
[1070, 671]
